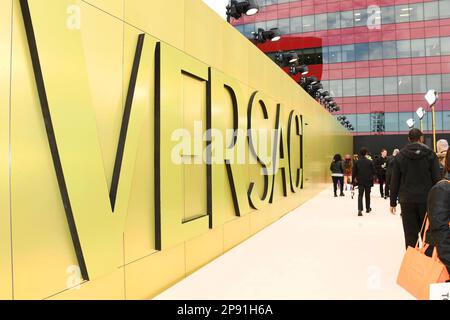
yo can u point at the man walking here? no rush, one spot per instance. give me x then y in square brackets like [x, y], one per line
[380, 166]
[389, 167]
[415, 171]
[363, 173]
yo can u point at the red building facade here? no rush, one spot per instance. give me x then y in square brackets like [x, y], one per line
[376, 57]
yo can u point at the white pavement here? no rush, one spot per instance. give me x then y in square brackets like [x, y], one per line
[322, 250]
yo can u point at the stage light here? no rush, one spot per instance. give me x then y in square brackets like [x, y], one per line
[286, 58]
[236, 9]
[410, 123]
[432, 97]
[421, 113]
[303, 70]
[262, 35]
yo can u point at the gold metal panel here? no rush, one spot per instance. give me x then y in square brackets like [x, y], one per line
[113, 7]
[236, 231]
[149, 276]
[5, 214]
[161, 19]
[173, 64]
[41, 237]
[203, 249]
[235, 54]
[200, 42]
[224, 90]
[109, 287]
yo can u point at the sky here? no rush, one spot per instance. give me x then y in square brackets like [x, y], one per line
[218, 6]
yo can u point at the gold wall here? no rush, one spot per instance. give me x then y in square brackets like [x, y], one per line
[86, 53]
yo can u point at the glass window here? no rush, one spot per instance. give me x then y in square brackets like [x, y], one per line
[431, 10]
[360, 17]
[260, 25]
[388, 15]
[416, 12]
[248, 29]
[418, 48]
[334, 20]
[375, 51]
[336, 88]
[433, 47]
[296, 25]
[446, 83]
[390, 85]
[376, 86]
[391, 122]
[283, 25]
[349, 88]
[346, 19]
[389, 50]
[325, 55]
[404, 85]
[321, 22]
[419, 84]
[361, 51]
[444, 9]
[446, 120]
[445, 46]
[334, 54]
[403, 49]
[362, 87]
[348, 53]
[363, 123]
[308, 23]
[434, 82]
[402, 13]
[272, 24]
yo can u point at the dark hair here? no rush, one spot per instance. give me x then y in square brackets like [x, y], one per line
[415, 135]
[383, 150]
[447, 161]
[337, 158]
[363, 152]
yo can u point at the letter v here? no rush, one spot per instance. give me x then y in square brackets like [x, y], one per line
[96, 216]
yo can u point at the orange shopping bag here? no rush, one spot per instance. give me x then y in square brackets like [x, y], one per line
[419, 271]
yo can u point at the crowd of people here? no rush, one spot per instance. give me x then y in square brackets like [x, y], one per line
[415, 177]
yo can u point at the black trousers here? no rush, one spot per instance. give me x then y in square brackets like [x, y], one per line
[388, 183]
[413, 215]
[363, 190]
[384, 189]
[341, 182]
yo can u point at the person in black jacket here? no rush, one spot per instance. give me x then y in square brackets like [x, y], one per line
[337, 173]
[380, 167]
[363, 173]
[438, 236]
[415, 172]
[389, 167]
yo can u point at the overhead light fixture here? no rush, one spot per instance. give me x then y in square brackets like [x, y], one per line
[410, 123]
[236, 9]
[303, 70]
[262, 35]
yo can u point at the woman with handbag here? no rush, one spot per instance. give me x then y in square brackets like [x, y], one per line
[438, 235]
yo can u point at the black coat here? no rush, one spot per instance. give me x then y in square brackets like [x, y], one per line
[389, 165]
[363, 172]
[337, 167]
[439, 214]
[415, 172]
[379, 162]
